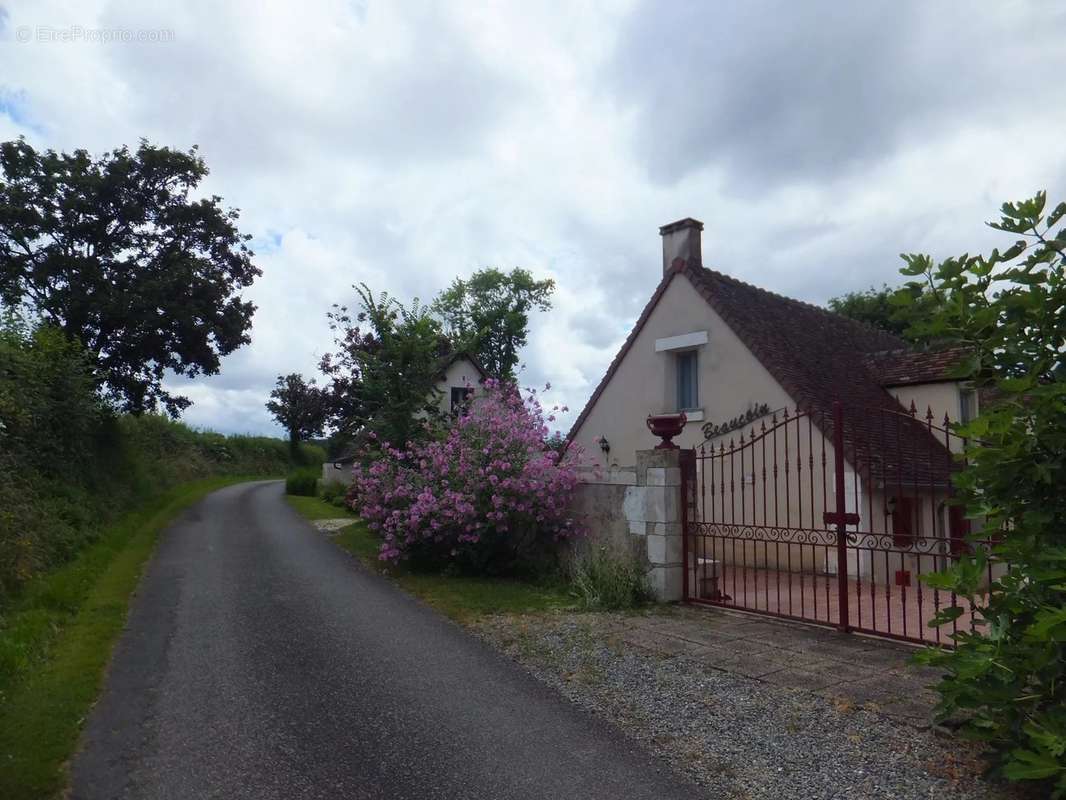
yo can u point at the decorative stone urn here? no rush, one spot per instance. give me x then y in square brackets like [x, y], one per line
[666, 427]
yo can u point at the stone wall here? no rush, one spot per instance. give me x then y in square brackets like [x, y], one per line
[599, 506]
[638, 509]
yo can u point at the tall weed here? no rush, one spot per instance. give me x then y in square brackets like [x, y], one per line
[606, 580]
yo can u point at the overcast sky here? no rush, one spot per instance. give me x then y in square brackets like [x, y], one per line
[402, 144]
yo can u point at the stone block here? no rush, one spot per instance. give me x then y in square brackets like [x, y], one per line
[655, 505]
[658, 458]
[634, 504]
[664, 476]
[655, 459]
[664, 549]
[662, 504]
[666, 583]
[664, 528]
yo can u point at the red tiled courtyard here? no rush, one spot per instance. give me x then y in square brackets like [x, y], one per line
[899, 612]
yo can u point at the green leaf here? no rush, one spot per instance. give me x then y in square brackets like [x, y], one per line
[1026, 765]
[1014, 250]
[946, 615]
[1047, 740]
[1016, 385]
[917, 264]
[1048, 624]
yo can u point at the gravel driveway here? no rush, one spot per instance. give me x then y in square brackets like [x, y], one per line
[738, 736]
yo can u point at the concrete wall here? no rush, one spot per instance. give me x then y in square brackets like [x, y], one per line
[731, 380]
[942, 398]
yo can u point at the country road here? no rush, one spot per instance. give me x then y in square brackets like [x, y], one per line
[260, 661]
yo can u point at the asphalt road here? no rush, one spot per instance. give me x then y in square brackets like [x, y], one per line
[260, 661]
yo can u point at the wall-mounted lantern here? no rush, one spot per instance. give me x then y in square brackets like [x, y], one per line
[605, 446]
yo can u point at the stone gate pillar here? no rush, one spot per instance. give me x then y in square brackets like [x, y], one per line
[653, 511]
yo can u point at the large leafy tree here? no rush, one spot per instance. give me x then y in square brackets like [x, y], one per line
[1006, 679]
[892, 310]
[384, 369]
[488, 315]
[118, 255]
[300, 407]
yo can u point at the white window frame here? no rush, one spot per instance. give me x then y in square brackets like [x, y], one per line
[685, 341]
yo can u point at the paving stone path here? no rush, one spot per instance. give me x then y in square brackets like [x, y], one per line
[859, 670]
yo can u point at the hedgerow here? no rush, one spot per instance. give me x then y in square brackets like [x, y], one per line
[69, 465]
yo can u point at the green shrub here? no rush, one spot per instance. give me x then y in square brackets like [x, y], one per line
[1006, 679]
[70, 466]
[604, 579]
[303, 482]
[334, 493]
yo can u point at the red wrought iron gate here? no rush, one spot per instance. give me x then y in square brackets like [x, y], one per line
[829, 518]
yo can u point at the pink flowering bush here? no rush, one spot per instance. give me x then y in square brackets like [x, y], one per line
[489, 497]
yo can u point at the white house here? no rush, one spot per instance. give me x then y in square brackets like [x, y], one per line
[719, 349]
[759, 378]
[461, 376]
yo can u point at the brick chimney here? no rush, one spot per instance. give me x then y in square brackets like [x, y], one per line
[681, 239]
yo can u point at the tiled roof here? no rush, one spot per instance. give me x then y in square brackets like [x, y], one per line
[906, 366]
[817, 357]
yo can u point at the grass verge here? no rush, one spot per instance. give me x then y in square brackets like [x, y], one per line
[463, 599]
[56, 639]
[315, 508]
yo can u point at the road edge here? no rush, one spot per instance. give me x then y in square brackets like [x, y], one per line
[42, 717]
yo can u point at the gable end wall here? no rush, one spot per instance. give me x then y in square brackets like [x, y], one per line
[731, 379]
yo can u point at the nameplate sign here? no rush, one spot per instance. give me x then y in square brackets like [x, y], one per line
[712, 430]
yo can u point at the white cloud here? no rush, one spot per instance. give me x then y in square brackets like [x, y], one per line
[402, 144]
